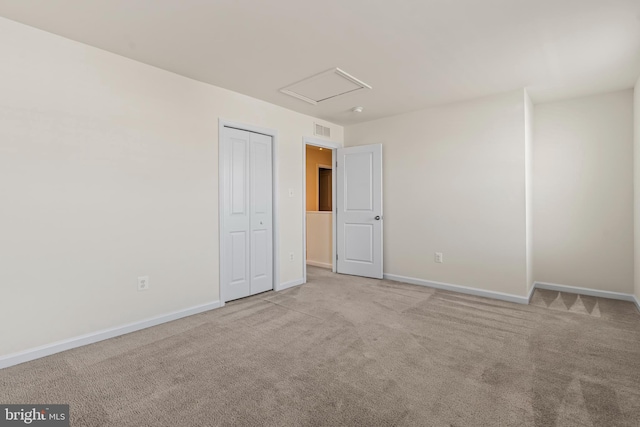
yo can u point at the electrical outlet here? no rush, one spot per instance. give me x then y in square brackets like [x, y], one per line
[439, 257]
[290, 256]
[143, 283]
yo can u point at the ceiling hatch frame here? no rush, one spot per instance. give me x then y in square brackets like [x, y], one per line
[343, 84]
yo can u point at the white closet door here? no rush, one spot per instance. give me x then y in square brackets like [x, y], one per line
[247, 223]
[261, 214]
[235, 257]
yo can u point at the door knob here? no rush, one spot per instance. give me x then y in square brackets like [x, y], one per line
[377, 218]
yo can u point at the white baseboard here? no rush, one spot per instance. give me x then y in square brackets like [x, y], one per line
[458, 288]
[319, 264]
[515, 298]
[585, 291]
[290, 284]
[531, 291]
[68, 344]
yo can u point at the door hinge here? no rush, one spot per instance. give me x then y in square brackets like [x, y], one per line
[336, 164]
[336, 257]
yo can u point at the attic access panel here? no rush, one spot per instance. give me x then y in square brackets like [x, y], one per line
[323, 86]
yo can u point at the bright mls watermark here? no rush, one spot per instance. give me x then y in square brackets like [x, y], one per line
[34, 415]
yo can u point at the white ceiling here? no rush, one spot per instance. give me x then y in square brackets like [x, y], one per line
[415, 53]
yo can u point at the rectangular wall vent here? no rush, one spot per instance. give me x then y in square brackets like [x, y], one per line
[320, 130]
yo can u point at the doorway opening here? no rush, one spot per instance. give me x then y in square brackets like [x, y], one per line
[319, 212]
[325, 190]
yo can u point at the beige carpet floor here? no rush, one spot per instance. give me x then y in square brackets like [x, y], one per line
[351, 351]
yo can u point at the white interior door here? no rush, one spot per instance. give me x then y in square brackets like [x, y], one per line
[247, 223]
[359, 211]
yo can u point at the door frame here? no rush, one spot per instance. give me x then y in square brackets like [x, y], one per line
[273, 133]
[333, 146]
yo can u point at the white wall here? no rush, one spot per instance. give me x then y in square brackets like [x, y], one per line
[108, 171]
[454, 182]
[636, 156]
[583, 192]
